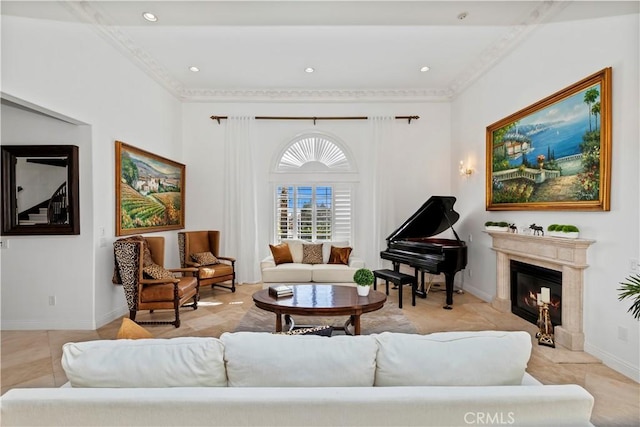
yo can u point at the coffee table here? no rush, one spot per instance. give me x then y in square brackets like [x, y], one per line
[321, 300]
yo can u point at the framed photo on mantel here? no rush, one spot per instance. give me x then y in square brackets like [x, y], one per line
[149, 192]
[554, 154]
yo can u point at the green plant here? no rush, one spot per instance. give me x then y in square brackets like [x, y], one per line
[496, 224]
[553, 227]
[570, 229]
[363, 277]
[631, 289]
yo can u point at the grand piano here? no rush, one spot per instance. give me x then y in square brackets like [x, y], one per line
[411, 244]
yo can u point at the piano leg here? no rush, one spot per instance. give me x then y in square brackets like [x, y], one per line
[449, 282]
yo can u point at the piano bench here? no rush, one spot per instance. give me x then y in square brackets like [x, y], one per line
[398, 279]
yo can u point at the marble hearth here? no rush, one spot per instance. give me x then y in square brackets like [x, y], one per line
[569, 256]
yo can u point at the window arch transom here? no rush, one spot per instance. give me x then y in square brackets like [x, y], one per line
[313, 153]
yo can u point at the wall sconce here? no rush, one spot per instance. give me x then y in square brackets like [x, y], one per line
[465, 170]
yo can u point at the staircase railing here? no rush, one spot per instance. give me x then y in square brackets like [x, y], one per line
[57, 212]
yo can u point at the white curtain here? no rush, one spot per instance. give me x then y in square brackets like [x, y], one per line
[240, 200]
[381, 205]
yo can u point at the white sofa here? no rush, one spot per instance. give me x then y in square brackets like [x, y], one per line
[299, 272]
[262, 379]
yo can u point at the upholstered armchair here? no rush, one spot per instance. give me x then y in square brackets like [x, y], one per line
[200, 249]
[147, 285]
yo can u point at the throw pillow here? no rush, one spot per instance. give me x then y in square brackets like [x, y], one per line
[326, 249]
[281, 253]
[312, 253]
[324, 331]
[130, 330]
[154, 271]
[339, 255]
[204, 258]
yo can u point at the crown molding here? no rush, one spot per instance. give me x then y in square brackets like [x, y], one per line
[319, 95]
[89, 13]
[503, 46]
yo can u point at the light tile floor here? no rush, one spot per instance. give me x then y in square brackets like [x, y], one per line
[32, 358]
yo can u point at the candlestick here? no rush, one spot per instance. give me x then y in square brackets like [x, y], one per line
[546, 297]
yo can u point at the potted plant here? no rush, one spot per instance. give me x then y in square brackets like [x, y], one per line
[568, 231]
[631, 289]
[496, 226]
[364, 279]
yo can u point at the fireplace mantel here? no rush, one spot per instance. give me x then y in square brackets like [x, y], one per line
[568, 256]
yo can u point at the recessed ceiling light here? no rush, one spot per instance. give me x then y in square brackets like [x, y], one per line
[194, 69]
[462, 15]
[149, 16]
[424, 69]
[309, 70]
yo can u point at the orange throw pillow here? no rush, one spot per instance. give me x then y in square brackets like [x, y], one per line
[339, 255]
[281, 253]
[130, 330]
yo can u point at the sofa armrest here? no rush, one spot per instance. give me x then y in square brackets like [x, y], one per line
[268, 262]
[355, 262]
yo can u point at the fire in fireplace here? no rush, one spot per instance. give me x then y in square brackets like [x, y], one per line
[527, 280]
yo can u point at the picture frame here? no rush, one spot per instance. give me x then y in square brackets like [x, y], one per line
[149, 192]
[554, 154]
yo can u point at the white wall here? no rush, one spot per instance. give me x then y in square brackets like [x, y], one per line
[420, 166]
[554, 57]
[37, 267]
[69, 69]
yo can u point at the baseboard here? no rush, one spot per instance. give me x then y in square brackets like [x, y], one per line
[477, 293]
[111, 316]
[614, 362]
[46, 325]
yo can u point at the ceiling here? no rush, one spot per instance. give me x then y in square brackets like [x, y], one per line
[360, 50]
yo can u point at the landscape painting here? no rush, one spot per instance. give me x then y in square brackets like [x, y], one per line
[555, 154]
[149, 192]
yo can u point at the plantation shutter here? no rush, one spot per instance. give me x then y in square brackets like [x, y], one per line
[342, 213]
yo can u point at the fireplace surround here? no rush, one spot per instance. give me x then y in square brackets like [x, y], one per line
[568, 256]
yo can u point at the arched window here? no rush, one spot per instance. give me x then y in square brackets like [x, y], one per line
[313, 153]
[313, 191]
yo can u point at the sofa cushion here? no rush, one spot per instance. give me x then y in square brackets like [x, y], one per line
[175, 362]
[132, 331]
[332, 273]
[484, 358]
[281, 253]
[289, 272]
[339, 255]
[256, 359]
[312, 253]
[326, 249]
[295, 246]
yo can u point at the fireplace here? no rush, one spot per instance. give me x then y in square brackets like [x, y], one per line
[567, 256]
[527, 280]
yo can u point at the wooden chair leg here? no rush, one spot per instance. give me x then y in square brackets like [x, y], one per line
[132, 315]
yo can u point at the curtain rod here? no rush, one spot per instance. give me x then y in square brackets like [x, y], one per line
[408, 118]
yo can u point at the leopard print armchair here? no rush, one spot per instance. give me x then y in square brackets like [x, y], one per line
[148, 285]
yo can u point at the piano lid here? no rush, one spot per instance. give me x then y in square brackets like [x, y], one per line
[429, 220]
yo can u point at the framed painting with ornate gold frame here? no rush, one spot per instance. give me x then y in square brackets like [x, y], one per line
[554, 154]
[149, 192]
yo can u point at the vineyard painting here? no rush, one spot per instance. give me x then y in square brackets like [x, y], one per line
[555, 154]
[149, 192]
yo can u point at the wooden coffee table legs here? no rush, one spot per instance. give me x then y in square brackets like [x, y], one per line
[353, 322]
